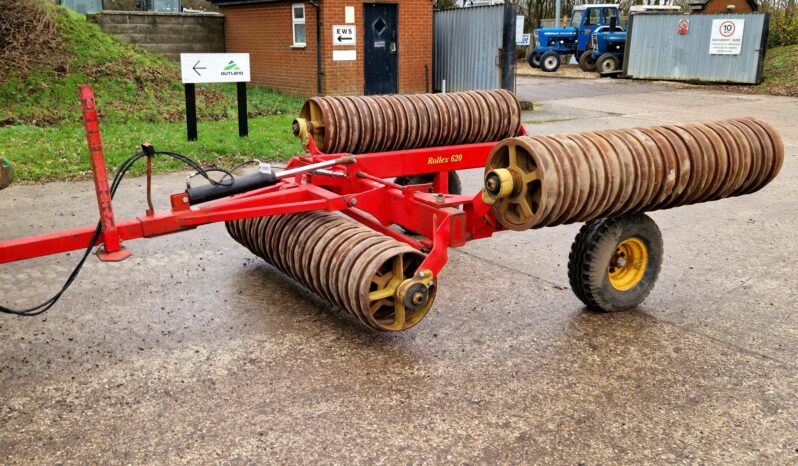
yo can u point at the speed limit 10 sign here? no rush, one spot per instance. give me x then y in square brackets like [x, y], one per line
[727, 36]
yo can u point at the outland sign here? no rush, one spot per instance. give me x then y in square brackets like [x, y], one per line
[198, 68]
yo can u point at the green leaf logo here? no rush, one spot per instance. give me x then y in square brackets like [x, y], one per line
[232, 66]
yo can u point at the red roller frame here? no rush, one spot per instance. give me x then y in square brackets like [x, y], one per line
[363, 194]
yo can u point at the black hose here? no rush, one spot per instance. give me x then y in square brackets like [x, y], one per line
[120, 174]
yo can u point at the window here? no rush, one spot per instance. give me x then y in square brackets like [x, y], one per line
[611, 13]
[298, 23]
[576, 21]
[593, 17]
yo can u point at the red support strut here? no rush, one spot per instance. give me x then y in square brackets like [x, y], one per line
[112, 249]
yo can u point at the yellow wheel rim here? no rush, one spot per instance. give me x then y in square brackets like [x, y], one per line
[628, 264]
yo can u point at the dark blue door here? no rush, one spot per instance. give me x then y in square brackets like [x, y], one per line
[380, 48]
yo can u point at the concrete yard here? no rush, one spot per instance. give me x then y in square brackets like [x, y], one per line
[194, 351]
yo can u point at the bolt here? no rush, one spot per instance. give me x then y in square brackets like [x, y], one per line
[621, 262]
[353, 202]
[440, 198]
[422, 274]
[185, 199]
[430, 283]
[418, 298]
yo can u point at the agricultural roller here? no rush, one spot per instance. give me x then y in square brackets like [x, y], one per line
[327, 219]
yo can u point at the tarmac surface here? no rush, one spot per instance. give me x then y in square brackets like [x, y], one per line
[194, 351]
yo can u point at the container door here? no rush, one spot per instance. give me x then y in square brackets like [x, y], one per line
[380, 48]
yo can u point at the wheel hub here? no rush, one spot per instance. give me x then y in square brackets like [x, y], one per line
[628, 264]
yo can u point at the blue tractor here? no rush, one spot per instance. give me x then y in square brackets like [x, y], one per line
[607, 43]
[605, 50]
[551, 43]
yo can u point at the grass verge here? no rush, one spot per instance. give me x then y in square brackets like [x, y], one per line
[131, 84]
[139, 98]
[781, 72]
[43, 154]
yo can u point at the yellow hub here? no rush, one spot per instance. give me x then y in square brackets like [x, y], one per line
[398, 302]
[499, 183]
[628, 264]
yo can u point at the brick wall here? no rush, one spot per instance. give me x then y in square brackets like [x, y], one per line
[165, 33]
[264, 30]
[414, 46]
[719, 6]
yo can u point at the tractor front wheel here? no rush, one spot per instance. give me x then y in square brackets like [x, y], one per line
[587, 62]
[607, 63]
[534, 60]
[614, 262]
[550, 62]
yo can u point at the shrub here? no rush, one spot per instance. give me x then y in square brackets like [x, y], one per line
[783, 28]
[28, 38]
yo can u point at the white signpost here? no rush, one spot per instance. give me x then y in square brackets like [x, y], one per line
[200, 68]
[727, 36]
[196, 68]
[343, 34]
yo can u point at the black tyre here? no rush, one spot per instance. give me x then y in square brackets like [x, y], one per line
[455, 187]
[607, 63]
[586, 61]
[614, 262]
[550, 62]
[534, 60]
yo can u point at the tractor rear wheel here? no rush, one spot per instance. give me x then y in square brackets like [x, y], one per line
[587, 62]
[614, 262]
[607, 63]
[550, 62]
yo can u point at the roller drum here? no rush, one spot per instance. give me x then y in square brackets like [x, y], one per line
[396, 122]
[537, 181]
[372, 277]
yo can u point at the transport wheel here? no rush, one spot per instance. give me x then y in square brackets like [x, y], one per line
[614, 262]
[607, 63]
[586, 61]
[534, 60]
[550, 62]
[455, 187]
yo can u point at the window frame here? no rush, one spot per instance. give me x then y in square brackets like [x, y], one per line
[295, 21]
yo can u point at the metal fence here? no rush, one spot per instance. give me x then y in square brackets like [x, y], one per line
[659, 48]
[83, 6]
[468, 52]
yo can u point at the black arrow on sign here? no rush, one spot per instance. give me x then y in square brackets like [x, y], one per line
[195, 68]
[342, 38]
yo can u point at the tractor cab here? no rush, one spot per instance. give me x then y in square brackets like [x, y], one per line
[587, 19]
[550, 43]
